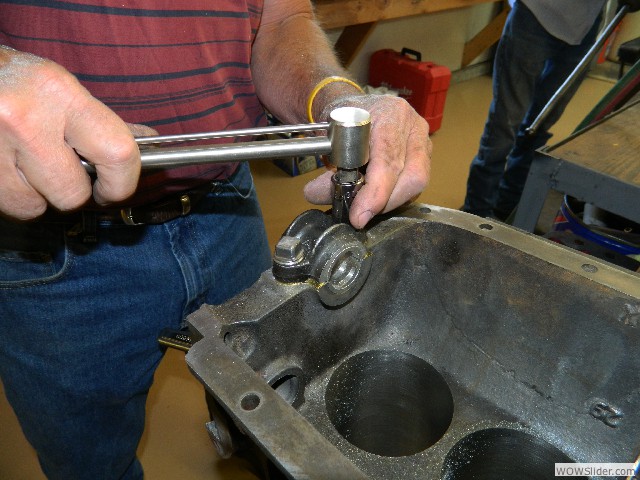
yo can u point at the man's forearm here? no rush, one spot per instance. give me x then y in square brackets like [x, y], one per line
[291, 55]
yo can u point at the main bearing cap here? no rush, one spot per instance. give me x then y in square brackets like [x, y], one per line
[331, 256]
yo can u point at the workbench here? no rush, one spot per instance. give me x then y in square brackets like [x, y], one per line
[359, 17]
[599, 164]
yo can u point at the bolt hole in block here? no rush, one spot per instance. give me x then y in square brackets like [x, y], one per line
[389, 403]
[250, 402]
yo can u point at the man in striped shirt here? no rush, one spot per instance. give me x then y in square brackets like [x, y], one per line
[79, 315]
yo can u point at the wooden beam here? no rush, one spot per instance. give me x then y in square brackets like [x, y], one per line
[485, 38]
[341, 13]
[350, 41]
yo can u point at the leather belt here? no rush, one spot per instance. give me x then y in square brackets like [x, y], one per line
[85, 222]
[160, 212]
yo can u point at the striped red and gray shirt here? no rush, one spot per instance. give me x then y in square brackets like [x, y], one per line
[179, 67]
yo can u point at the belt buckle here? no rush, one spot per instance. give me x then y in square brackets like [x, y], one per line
[127, 216]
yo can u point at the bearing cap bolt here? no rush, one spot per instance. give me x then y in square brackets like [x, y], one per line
[289, 251]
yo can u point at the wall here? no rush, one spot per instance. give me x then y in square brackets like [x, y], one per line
[440, 37]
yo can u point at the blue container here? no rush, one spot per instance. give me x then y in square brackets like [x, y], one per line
[619, 236]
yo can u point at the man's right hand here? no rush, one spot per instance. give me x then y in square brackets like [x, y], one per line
[47, 121]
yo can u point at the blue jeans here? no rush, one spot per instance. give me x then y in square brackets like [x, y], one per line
[530, 66]
[79, 322]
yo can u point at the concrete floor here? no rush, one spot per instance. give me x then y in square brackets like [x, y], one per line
[175, 444]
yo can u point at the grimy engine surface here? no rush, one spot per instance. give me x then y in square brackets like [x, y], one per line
[472, 350]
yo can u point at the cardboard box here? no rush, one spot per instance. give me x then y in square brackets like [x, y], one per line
[298, 165]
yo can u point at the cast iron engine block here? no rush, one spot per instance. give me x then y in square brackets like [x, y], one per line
[470, 349]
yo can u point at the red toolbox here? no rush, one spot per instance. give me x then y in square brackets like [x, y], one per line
[423, 84]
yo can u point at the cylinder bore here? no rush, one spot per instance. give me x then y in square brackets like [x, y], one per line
[498, 453]
[389, 403]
